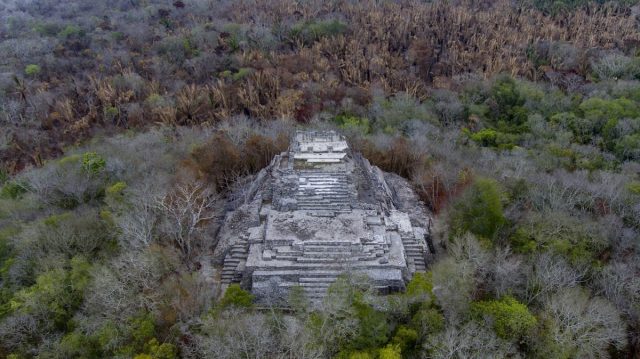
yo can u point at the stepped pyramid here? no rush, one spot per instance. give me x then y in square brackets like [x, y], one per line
[318, 211]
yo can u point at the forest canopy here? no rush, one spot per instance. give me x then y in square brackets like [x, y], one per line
[516, 122]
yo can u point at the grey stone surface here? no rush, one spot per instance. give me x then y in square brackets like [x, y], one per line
[317, 212]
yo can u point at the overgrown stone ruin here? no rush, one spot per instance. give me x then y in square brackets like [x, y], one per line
[317, 211]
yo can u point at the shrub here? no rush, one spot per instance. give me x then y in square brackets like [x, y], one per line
[628, 147]
[510, 318]
[111, 113]
[70, 31]
[577, 239]
[373, 328]
[420, 285]
[390, 352]
[236, 297]
[598, 111]
[313, 31]
[509, 112]
[353, 124]
[634, 187]
[13, 190]
[115, 192]
[478, 210]
[93, 163]
[427, 321]
[393, 114]
[491, 138]
[405, 340]
[57, 292]
[32, 70]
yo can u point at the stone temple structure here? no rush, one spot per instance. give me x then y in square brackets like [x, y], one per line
[317, 211]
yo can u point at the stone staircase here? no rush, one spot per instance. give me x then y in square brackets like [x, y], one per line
[317, 264]
[323, 191]
[234, 262]
[414, 254]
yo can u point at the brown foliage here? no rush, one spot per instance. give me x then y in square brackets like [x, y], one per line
[395, 46]
[221, 162]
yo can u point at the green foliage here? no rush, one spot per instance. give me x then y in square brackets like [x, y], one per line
[390, 352]
[427, 321]
[405, 340]
[160, 351]
[489, 137]
[111, 113]
[420, 285]
[7, 252]
[353, 124]
[116, 190]
[47, 29]
[373, 328]
[32, 70]
[242, 73]
[57, 292]
[357, 355]
[78, 345]
[315, 30]
[237, 297]
[93, 163]
[71, 31]
[510, 318]
[634, 187]
[522, 242]
[393, 114]
[478, 210]
[298, 300]
[628, 147]
[55, 220]
[576, 239]
[13, 190]
[597, 112]
[143, 329]
[509, 113]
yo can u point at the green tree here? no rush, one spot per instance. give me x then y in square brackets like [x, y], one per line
[510, 115]
[478, 210]
[235, 296]
[93, 163]
[32, 70]
[510, 318]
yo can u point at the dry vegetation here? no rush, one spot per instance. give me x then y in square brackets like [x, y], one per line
[199, 63]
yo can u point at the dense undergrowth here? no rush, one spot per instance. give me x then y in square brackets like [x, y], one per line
[518, 125]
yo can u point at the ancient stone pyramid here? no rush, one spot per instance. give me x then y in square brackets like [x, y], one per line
[317, 211]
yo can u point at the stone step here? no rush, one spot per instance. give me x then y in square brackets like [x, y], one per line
[322, 208]
[328, 248]
[317, 279]
[333, 255]
[315, 285]
[320, 272]
[315, 260]
[318, 195]
[324, 199]
[289, 253]
[328, 206]
[325, 243]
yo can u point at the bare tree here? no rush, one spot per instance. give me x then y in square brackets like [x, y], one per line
[185, 211]
[469, 341]
[550, 274]
[585, 326]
